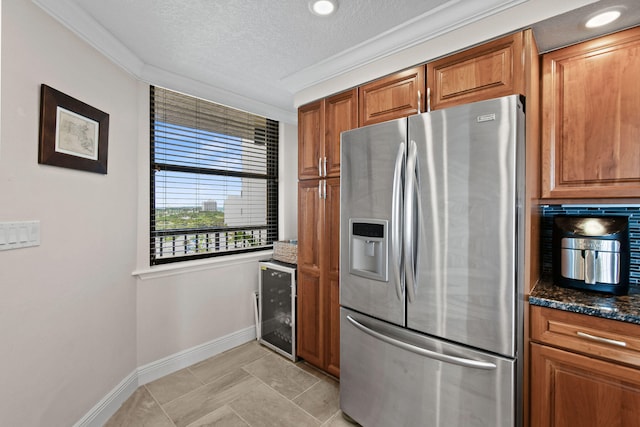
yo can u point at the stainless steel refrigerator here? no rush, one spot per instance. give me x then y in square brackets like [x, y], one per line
[431, 268]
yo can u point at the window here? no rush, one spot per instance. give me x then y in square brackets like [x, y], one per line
[214, 179]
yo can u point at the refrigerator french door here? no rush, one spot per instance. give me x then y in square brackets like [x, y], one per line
[431, 265]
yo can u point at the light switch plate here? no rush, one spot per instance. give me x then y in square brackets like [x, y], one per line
[19, 234]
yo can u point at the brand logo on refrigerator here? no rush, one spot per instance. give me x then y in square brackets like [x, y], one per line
[486, 118]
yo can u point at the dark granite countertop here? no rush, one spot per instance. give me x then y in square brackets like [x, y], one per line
[624, 308]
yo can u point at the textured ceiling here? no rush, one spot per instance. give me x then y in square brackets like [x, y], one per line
[568, 28]
[265, 51]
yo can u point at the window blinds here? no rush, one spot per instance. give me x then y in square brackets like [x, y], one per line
[214, 179]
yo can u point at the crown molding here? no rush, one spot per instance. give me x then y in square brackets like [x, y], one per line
[443, 19]
[448, 17]
[88, 29]
[160, 77]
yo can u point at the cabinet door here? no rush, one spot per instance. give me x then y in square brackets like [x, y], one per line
[318, 273]
[310, 318]
[590, 126]
[392, 97]
[570, 390]
[310, 219]
[310, 251]
[333, 329]
[310, 139]
[341, 113]
[332, 283]
[488, 71]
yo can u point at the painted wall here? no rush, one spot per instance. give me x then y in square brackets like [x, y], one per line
[288, 162]
[68, 306]
[189, 305]
[74, 321]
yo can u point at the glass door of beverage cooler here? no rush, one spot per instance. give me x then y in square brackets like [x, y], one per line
[277, 308]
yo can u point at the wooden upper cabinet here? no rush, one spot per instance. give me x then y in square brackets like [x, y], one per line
[319, 126]
[590, 125]
[488, 71]
[395, 96]
[310, 139]
[341, 114]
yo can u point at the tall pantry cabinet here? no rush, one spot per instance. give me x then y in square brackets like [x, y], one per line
[319, 126]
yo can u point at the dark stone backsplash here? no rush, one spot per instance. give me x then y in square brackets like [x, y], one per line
[633, 212]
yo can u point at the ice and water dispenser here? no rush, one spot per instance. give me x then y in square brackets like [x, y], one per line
[591, 252]
[368, 248]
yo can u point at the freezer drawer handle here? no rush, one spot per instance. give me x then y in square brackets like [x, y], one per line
[467, 363]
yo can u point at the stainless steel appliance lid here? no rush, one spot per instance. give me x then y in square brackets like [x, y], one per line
[592, 226]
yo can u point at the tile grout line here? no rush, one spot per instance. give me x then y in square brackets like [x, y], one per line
[238, 415]
[158, 403]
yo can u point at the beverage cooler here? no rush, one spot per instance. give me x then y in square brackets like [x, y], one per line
[277, 307]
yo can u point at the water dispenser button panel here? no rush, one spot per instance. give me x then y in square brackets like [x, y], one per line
[368, 248]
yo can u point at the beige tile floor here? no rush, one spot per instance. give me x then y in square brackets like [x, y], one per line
[249, 385]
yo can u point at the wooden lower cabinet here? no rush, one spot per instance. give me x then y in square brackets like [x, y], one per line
[310, 328]
[585, 370]
[333, 329]
[318, 335]
[569, 390]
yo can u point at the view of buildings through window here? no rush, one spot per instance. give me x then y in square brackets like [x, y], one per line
[214, 179]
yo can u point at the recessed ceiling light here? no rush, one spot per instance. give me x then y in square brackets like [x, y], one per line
[323, 7]
[603, 18]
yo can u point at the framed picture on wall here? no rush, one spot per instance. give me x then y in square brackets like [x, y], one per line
[72, 134]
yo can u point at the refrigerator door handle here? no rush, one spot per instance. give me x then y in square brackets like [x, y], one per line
[409, 221]
[397, 200]
[460, 361]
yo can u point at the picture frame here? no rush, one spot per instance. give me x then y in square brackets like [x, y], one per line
[72, 134]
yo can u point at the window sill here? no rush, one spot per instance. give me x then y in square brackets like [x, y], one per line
[199, 265]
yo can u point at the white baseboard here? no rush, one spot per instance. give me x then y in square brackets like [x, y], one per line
[108, 405]
[180, 360]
